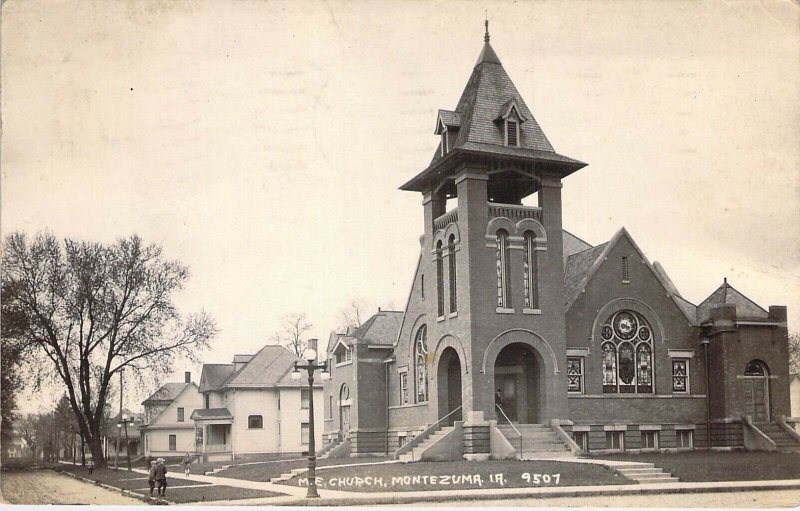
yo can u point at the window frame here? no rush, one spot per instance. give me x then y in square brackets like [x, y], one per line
[181, 414]
[451, 269]
[508, 123]
[439, 280]
[610, 436]
[581, 383]
[173, 442]
[250, 419]
[689, 435]
[503, 269]
[305, 399]
[403, 384]
[305, 431]
[629, 345]
[676, 361]
[421, 395]
[530, 271]
[581, 438]
[650, 434]
[626, 270]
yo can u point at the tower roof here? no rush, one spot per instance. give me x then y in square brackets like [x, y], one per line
[488, 97]
[727, 295]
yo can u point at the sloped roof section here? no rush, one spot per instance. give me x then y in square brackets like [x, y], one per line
[381, 328]
[578, 268]
[726, 294]
[488, 90]
[166, 393]
[266, 369]
[688, 308]
[211, 413]
[214, 375]
[572, 245]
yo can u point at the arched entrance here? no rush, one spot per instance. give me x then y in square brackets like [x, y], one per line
[344, 411]
[518, 384]
[448, 385]
[756, 391]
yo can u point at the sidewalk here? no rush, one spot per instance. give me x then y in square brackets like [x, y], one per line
[296, 495]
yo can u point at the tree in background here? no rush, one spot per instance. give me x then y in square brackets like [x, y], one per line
[92, 310]
[794, 352]
[12, 361]
[293, 332]
[352, 316]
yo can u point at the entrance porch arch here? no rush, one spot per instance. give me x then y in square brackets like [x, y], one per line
[451, 378]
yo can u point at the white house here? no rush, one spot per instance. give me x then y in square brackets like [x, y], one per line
[168, 429]
[253, 406]
[794, 394]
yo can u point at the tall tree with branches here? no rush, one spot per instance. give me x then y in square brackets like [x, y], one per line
[92, 310]
[293, 332]
[794, 352]
[12, 363]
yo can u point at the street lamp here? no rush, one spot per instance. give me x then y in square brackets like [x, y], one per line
[125, 421]
[310, 356]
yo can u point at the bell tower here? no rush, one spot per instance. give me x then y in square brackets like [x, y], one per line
[497, 264]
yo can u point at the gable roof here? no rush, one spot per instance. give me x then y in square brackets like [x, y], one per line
[167, 393]
[726, 294]
[381, 328]
[214, 375]
[582, 266]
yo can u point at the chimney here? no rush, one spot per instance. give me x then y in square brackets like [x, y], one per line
[312, 343]
[187, 377]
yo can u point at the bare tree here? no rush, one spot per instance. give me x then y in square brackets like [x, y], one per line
[92, 310]
[352, 315]
[27, 426]
[292, 334]
[794, 352]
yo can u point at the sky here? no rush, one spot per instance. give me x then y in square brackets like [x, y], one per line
[263, 143]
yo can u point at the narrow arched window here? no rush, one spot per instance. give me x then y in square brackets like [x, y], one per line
[420, 364]
[439, 279]
[451, 260]
[530, 270]
[502, 267]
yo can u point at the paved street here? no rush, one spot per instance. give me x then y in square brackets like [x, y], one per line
[47, 487]
[751, 499]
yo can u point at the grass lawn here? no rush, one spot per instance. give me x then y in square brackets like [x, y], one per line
[267, 470]
[722, 466]
[124, 479]
[459, 475]
[26, 464]
[210, 493]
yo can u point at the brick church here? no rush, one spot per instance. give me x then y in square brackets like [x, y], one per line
[519, 339]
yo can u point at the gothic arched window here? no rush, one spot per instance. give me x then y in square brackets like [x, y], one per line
[502, 268]
[451, 259]
[530, 270]
[439, 279]
[420, 364]
[627, 354]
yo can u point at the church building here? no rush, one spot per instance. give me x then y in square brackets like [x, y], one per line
[519, 339]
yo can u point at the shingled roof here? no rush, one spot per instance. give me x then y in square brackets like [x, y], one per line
[488, 93]
[167, 393]
[214, 375]
[381, 328]
[726, 294]
[270, 367]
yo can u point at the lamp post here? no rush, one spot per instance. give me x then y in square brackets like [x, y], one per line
[124, 423]
[310, 356]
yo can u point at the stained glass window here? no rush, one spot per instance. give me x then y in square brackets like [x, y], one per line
[754, 368]
[420, 364]
[451, 257]
[680, 375]
[440, 279]
[609, 367]
[627, 354]
[530, 272]
[501, 266]
[575, 374]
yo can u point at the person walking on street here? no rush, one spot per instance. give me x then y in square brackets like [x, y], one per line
[161, 477]
[187, 461]
[151, 476]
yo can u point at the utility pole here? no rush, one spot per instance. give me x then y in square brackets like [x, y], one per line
[116, 452]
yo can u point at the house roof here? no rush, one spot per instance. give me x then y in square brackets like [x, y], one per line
[572, 245]
[726, 294]
[381, 328]
[490, 91]
[577, 269]
[166, 393]
[214, 375]
[211, 413]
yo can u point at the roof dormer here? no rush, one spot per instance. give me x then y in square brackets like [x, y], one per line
[447, 125]
[510, 119]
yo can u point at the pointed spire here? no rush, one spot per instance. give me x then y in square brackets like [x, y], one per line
[486, 24]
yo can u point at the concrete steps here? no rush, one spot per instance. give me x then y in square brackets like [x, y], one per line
[538, 441]
[646, 473]
[416, 452]
[784, 441]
